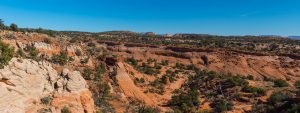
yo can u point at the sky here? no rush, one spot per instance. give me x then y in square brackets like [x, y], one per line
[216, 17]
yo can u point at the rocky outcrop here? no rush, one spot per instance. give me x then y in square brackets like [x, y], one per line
[24, 82]
[45, 48]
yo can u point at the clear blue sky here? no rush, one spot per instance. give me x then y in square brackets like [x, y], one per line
[220, 17]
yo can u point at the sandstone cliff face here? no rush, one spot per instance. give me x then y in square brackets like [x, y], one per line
[24, 82]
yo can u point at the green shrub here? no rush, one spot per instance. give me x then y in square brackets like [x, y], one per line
[103, 90]
[250, 77]
[185, 102]
[222, 106]
[46, 100]
[20, 53]
[144, 68]
[165, 63]
[132, 61]
[14, 27]
[164, 79]
[191, 67]
[297, 84]
[256, 91]
[150, 60]
[280, 83]
[61, 59]
[277, 97]
[87, 74]
[205, 60]
[85, 60]
[33, 53]
[100, 69]
[147, 109]
[65, 110]
[6, 54]
[141, 80]
[78, 52]
[179, 66]
[2, 25]
[236, 81]
[294, 109]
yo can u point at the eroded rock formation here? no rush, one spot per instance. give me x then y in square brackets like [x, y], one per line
[24, 82]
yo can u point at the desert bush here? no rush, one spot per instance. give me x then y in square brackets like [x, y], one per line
[10, 36]
[295, 108]
[20, 53]
[65, 110]
[164, 79]
[14, 27]
[78, 52]
[61, 59]
[205, 60]
[150, 60]
[141, 80]
[279, 102]
[164, 62]
[85, 60]
[185, 102]
[2, 25]
[297, 84]
[236, 81]
[191, 67]
[222, 106]
[46, 100]
[6, 54]
[146, 109]
[280, 83]
[256, 91]
[144, 68]
[87, 74]
[132, 61]
[100, 70]
[103, 90]
[250, 77]
[179, 66]
[277, 97]
[158, 85]
[33, 52]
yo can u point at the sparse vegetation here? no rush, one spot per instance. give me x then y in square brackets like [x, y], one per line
[256, 91]
[46, 100]
[33, 52]
[6, 54]
[221, 106]
[61, 59]
[280, 83]
[185, 102]
[297, 84]
[14, 27]
[87, 74]
[236, 81]
[20, 53]
[2, 25]
[65, 110]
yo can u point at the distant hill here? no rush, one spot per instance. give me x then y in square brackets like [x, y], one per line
[294, 37]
